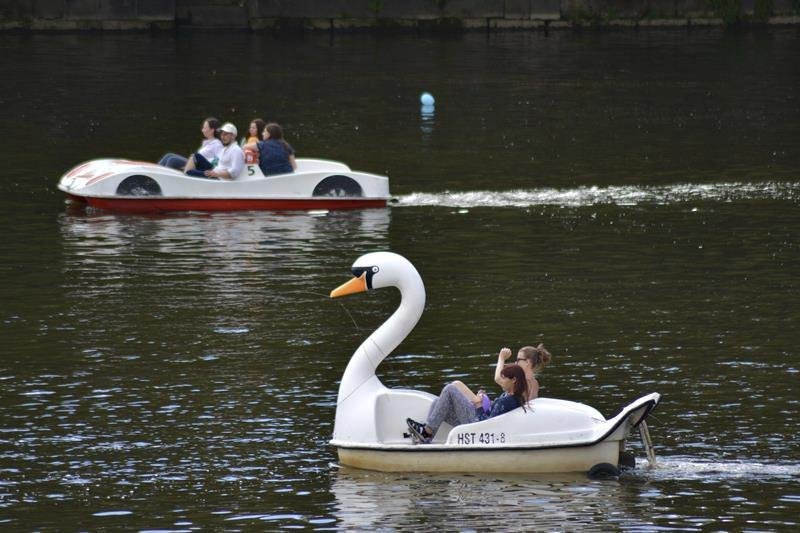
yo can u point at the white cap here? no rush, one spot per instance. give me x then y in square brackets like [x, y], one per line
[229, 128]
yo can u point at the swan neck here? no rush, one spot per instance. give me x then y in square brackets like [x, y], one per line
[385, 339]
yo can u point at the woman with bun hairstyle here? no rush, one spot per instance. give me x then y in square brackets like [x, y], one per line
[531, 359]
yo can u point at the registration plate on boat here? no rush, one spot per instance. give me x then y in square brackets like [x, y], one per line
[473, 438]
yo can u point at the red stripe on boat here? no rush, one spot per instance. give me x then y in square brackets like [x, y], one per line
[155, 205]
[97, 178]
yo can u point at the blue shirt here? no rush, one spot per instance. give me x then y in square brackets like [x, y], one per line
[504, 403]
[273, 157]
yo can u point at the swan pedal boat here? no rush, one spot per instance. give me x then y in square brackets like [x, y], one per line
[370, 431]
[141, 187]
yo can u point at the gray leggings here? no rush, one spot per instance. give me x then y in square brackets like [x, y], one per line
[452, 407]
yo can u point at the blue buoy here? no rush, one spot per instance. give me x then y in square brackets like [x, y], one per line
[426, 99]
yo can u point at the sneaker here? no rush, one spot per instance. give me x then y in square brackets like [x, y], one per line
[418, 432]
[420, 427]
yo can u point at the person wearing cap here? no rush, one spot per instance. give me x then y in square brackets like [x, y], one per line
[231, 160]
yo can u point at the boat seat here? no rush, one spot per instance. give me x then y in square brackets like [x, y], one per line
[393, 406]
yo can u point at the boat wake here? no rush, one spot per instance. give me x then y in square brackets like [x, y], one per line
[620, 195]
[677, 468]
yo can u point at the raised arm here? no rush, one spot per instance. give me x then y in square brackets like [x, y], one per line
[502, 357]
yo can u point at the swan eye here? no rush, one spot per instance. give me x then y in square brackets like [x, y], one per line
[369, 271]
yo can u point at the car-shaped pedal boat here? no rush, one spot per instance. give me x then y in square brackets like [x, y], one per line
[140, 187]
[550, 435]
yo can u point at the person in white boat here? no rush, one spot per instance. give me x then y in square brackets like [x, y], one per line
[231, 160]
[531, 359]
[455, 408]
[276, 156]
[255, 131]
[249, 143]
[208, 153]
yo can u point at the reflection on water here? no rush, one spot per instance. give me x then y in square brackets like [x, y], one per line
[639, 500]
[369, 500]
[224, 263]
[249, 233]
[427, 115]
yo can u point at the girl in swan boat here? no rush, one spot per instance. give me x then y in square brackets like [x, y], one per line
[455, 407]
[532, 360]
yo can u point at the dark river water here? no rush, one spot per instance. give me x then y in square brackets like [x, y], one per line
[630, 199]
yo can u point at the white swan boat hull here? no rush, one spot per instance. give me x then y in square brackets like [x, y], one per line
[140, 187]
[503, 460]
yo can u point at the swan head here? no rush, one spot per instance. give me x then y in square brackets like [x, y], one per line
[375, 271]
